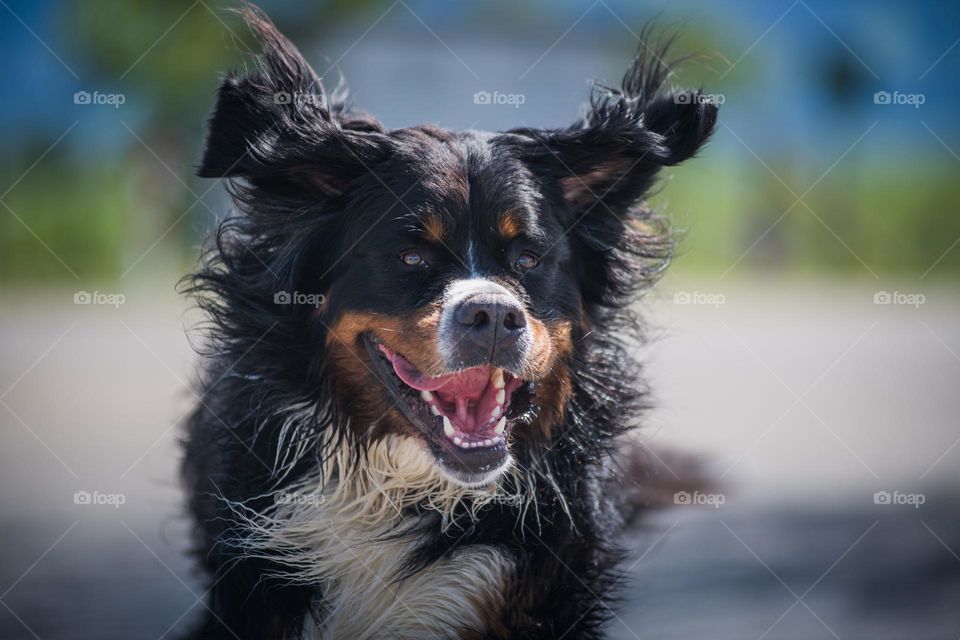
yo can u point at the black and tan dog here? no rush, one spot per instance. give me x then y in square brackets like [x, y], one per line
[417, 381]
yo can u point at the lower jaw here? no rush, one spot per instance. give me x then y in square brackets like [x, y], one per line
[471, 468]
[472, 479]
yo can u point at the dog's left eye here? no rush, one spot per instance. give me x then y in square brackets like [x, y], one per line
[526, 261]
[412, 258]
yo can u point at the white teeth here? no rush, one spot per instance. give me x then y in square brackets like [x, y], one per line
[434, 410]
[448, 427]
[495, 413]
[427, 396]
[488, 442]
[497, 378]
[457, 441]
[501, 396]
[500, 426]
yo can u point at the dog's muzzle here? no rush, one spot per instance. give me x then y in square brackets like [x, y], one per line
[483, 323]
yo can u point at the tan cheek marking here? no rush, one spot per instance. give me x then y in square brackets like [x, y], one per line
[413, 336]
[552, 345]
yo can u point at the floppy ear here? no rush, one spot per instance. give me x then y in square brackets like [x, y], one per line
[600, 168]
[279, 129]
[610, 159]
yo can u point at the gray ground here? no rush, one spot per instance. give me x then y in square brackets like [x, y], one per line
[806, 398]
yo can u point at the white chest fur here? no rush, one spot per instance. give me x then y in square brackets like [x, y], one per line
[366, 600]
[341, 531]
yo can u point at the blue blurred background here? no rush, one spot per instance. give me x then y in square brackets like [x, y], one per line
[808, 331]
[797, 81]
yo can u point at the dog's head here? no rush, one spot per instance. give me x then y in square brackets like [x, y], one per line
[440, 281]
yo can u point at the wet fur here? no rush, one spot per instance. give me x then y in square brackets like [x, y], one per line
[533, 556]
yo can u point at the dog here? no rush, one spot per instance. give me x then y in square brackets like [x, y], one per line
[417, 382]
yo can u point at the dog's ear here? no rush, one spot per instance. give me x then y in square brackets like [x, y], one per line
[610, 158]
[279, 129]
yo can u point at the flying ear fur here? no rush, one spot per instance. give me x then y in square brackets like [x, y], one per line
[612, 155]
[278, 128]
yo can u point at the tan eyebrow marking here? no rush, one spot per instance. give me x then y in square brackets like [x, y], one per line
[510, 225]
[433, 227]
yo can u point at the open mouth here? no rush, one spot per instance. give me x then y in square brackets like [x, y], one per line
[466, 416]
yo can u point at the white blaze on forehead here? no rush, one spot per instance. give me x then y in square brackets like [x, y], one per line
[472, 258]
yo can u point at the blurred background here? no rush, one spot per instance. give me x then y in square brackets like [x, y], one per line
[806, 338]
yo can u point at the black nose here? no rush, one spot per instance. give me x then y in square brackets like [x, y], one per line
[488, 326]
[491, 313]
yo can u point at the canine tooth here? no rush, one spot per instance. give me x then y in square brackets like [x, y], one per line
[500, 426]
[448, 427]
[501, 396]
[434, 410]
[495, 413]
[498, 378]
[426, 395]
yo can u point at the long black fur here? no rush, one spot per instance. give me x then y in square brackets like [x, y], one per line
[291, 164]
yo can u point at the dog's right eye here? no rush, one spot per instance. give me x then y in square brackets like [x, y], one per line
[412, 258]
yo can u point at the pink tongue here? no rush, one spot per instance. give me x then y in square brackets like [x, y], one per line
[469, 391]
[409, 374]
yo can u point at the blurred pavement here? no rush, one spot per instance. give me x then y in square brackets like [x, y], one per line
[805, 396]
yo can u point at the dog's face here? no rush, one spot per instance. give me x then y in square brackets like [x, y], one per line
[458, 269]
[453, 308]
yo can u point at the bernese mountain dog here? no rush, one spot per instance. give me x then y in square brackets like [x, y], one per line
[420, 364]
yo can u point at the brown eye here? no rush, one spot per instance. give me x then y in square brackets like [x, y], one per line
[411, 258]
[526, 261]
